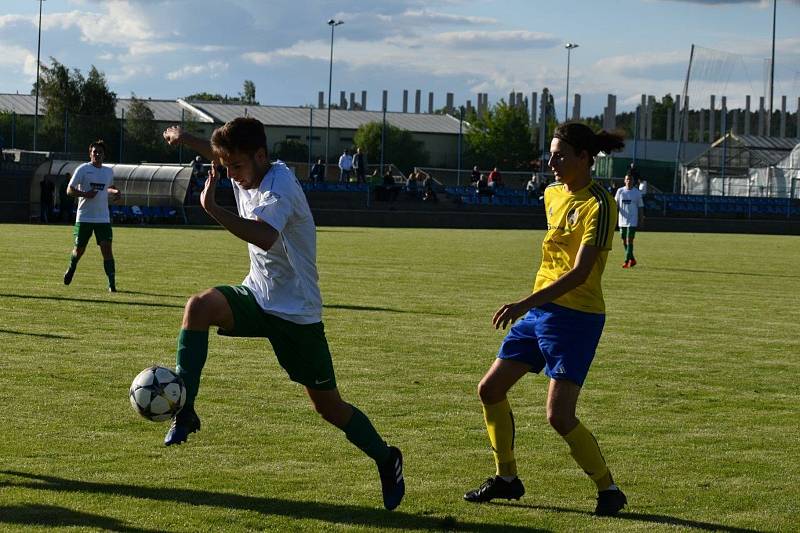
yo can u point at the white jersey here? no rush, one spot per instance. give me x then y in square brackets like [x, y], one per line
[284, 278]
[88, 177]
[628, 203]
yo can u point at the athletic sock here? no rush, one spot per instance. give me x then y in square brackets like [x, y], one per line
[500, 426]
[190, 359]
[360, 431]
[73, 262]
[584, 449]
[108, 266]
[629, 250]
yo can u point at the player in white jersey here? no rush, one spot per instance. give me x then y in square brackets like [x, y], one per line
[631, 215]
[279, 299]
[91, 183]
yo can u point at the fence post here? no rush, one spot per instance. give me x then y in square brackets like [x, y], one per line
[180, 146]
[13, 129]
[460, 136]
[121, 134]
[66, 131]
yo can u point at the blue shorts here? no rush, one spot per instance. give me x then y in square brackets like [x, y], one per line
[560, 340]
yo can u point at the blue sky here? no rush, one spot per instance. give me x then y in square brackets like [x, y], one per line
[171, 48]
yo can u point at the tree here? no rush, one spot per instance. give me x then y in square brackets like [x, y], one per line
[501, 138]
[249, 94]
[83, 109]
[290, 150]
[143, 141]
[400, 147]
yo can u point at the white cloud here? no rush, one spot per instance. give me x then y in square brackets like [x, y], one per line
[509, 40]
[214, 68]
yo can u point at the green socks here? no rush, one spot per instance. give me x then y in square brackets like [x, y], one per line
[360, 431]
[191, 357]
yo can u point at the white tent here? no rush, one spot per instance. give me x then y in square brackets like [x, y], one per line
[781, 180]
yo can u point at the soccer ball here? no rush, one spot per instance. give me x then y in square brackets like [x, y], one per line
[157, 393]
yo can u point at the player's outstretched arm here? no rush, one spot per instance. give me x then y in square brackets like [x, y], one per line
[254, 232]
[175, 135]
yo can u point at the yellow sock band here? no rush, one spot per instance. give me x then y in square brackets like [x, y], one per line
[500, 426]
[584, 449]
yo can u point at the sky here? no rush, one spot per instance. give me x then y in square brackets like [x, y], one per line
[168, 49]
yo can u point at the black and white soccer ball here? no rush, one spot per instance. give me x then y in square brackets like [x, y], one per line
[157, 393]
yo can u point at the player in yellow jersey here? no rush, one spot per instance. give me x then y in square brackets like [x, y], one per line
[562, 319]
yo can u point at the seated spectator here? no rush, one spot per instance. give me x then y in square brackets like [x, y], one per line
[412, 183]
[389, 189]
[482, 186]
[495, 179]
[531, 188]
[317, 174]
[475, 176]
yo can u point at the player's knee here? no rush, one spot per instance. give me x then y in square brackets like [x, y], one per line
[331, 413]
[563, 423]
[488, 393]
[198, 310]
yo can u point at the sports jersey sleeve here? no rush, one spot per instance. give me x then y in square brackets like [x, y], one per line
[275, 208]
[599, 222]
[77, 178]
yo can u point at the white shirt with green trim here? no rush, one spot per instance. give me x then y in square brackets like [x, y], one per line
[284, 278]
[88, 177]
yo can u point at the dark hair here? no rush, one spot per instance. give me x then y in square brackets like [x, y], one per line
[581, 137]
[99, 143]
[243, 134]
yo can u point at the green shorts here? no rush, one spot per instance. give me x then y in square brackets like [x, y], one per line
[82, 231]
[628, 233]
[302, 349]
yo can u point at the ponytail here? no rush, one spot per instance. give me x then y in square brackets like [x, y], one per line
[581, 137]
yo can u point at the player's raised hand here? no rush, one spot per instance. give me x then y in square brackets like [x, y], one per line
[173, 135]
[208, 198]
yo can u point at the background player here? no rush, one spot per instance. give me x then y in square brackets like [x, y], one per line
[631, 215]
[91, 182]
[563, 319]
[279, 299]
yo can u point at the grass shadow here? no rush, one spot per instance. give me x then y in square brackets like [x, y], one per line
[383, 309]
[32, 514]
[185, 296]
[640, 517]
[725, 272]
[88, 300]
[43, 335]
[339, 514]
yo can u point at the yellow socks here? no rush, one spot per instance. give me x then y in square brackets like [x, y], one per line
[500, 426]
[584, 449]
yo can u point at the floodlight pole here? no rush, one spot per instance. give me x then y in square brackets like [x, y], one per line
[772, 70]
[569, 47]
[332, 23]
[38, 55]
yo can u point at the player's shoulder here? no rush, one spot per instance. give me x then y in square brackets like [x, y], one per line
[599, 193]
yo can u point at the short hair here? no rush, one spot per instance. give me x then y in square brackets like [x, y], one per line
[99, 143]
[242, 134]
[582, 137]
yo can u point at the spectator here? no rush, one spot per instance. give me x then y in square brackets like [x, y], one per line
[317, 174]
[345, 166]
[411, 184]
[475, 176]
[495, 179]
[46, 200]
[389, 189]
[482, 186]
[531, 188]
[360, 165]
[428, 192]
[643, 187]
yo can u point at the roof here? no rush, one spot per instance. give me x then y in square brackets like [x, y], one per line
[340, 118]
[761, 151]
[653, 150]
[163, 110]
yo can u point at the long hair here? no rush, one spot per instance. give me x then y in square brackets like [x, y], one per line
[581, 137]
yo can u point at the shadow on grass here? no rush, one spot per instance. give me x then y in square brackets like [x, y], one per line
[384, 309]
[641, 517]
[341, 514]
[43, 335]
[726, 272]
[185, 296]
[88, 300]
[32, 514]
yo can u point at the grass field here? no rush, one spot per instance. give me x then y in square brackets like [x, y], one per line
[693, 394]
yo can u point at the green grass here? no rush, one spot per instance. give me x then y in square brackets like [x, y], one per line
[693, 394]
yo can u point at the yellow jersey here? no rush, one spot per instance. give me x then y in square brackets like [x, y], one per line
[587, 216]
